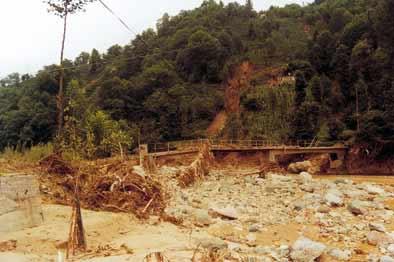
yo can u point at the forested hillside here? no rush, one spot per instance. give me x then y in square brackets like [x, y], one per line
[169, 82]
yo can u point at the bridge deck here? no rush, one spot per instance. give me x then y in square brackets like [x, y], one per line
[284, 148]
[192, 146]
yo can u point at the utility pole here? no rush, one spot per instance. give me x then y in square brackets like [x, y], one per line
[60, 95]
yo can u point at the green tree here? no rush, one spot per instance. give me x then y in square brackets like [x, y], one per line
[326, 86]
[300, 88]
[305, 123]
[202, 59]
[322, 52]
[341, 68]
[94, 61]
[315, 88]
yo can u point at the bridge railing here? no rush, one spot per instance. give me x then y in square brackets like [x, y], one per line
[193, 145]
[184, 145]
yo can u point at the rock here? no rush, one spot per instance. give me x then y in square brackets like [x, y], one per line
[308, 188]
[254, 228]
[251, 240]
[227, 212]
[323, 209]
[305, 177]
[377, 227]
[299, 205]
[272, 188]
[341, 255]
[376, 238]
[356, 207]
[341, 181]
[284, 251]
[374, 190]
[333, 199]
[202, 217]
[390, 249]
[278, 178]
[213, 243]
[354, 193]
[386, 259]
[306, 250]
[262, 250]
[298, 167]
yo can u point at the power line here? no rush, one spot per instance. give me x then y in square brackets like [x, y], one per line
[114, 14]
[121, 21]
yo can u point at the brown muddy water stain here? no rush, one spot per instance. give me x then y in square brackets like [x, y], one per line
[377, 179]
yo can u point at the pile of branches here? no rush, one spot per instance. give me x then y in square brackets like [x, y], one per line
[111, 186]
[120, 189]
[55, 164]
[198, 169]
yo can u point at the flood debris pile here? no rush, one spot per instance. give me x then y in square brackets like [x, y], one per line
[55, 164]
[115, 185]
[198, 169]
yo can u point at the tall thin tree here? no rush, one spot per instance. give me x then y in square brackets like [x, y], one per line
[249, 5]
[62, 9]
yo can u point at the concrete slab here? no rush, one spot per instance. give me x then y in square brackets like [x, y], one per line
[20, 202]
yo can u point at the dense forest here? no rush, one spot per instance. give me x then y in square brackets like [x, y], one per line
[167, 83]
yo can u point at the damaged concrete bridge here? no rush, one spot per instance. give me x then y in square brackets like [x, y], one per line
[269, 149]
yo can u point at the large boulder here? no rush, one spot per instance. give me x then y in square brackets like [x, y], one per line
[306, 250]
[299, 167]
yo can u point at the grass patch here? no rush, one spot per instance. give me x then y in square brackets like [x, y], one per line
[31, 155]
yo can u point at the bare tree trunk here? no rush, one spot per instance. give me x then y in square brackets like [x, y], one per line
[60, 95]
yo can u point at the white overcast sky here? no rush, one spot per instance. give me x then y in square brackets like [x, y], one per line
[31, 37]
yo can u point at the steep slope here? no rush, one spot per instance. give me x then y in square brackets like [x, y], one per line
[239, 80]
